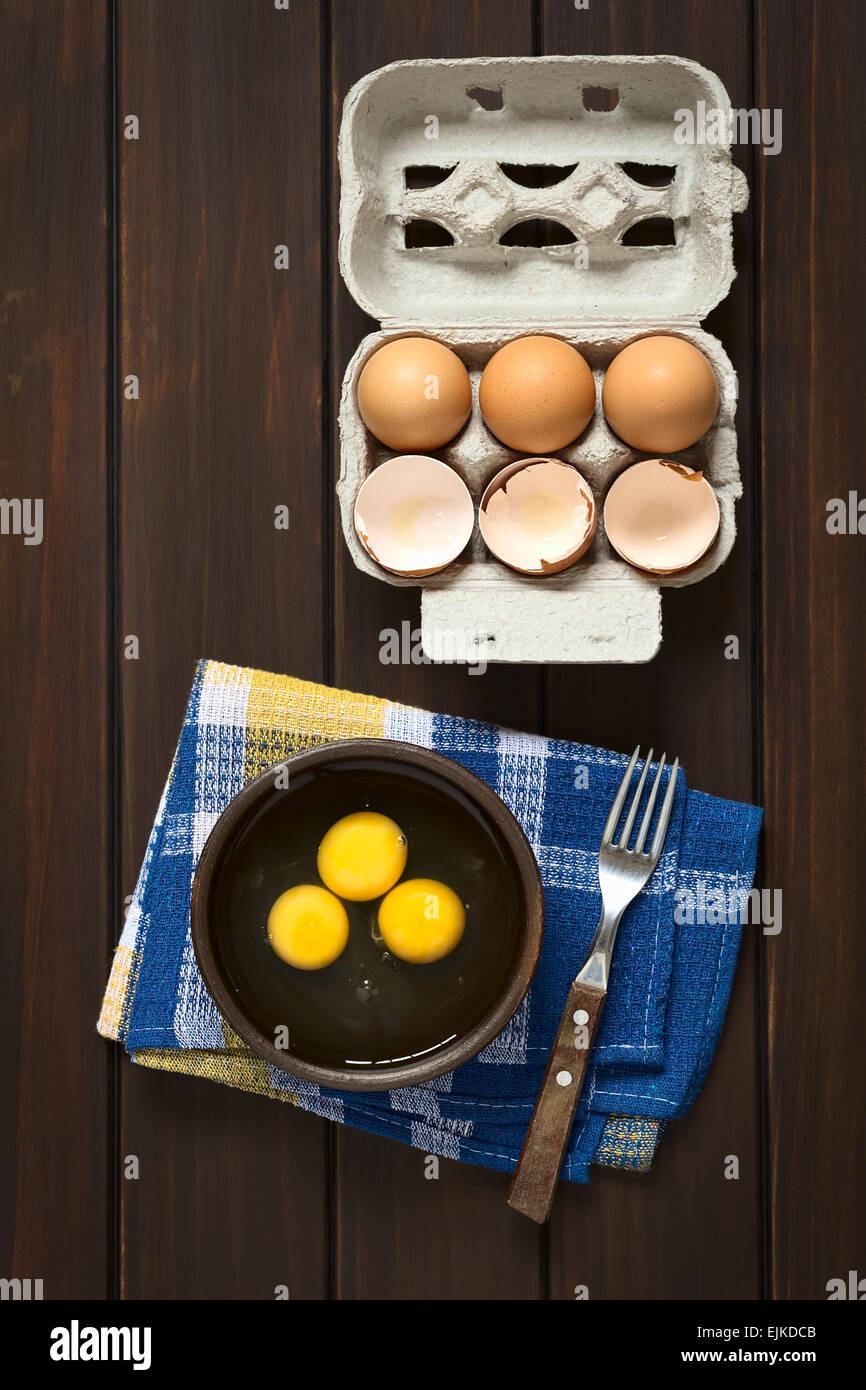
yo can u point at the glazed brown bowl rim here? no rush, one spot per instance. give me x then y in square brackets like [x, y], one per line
[462, 1049]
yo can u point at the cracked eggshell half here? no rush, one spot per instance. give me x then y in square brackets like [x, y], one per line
[538, 516]
[661, 517]
[414, 515]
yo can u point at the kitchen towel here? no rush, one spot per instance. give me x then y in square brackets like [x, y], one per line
[672, 969]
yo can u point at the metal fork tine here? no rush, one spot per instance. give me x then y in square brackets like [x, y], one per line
[619, 800]
[635, 803]
[650, 807]
[665, 815]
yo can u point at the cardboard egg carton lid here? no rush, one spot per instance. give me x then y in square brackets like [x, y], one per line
[472, 116]
[610, 618]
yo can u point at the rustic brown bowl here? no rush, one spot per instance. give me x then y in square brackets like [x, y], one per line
[495, 813]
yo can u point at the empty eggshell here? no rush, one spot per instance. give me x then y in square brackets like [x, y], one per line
[536, 394]
[660, 516]
[414, 515]
[660, 394]
[414, 393]
[538, 516]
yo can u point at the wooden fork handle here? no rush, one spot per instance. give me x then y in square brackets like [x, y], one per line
[534, 1184]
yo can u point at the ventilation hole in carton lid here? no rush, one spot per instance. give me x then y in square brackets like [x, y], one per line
[537, 175]
[427, 175]
[423, 232]
[650, 175]
[600, 98]
[489, 99]
[652, 231]
[538, 231]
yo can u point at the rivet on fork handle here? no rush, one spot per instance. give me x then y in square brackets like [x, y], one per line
[534, 1184]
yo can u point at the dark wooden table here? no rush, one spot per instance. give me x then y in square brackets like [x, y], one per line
[155, 258]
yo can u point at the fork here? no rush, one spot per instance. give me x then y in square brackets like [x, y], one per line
[622, 872]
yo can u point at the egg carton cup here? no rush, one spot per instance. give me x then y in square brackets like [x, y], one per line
[478, 294]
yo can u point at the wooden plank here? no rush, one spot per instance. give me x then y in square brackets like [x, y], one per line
[54, 710]
[233, 1192]
[683, 1231]
[813, 285]
[400, 1235]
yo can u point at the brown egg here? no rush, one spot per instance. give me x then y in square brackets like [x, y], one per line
[538, 516]
[661, 516]
[414, 394]
[660, 394]
[537, 394]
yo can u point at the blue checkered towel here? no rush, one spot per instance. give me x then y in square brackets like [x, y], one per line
[672, 970]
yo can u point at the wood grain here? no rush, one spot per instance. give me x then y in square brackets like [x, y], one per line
[239, 367]
[534, 1185]
[54, 616]
[233, 1194]
[683, 1230]
[813, 207]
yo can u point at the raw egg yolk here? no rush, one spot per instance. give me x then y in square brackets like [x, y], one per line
[308, 927]
[421, 920]
[362, 856]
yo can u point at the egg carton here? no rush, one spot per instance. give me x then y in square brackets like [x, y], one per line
[466, 119]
